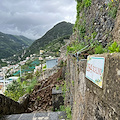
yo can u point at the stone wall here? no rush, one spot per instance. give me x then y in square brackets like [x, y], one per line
[48, 72]
[98, 19]
[9, 106]
[88, 101]
[116, 31]
[57, 98]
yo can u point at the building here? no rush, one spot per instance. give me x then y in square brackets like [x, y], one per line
[2, 85]
[41, 52]
[51, 63]
[12, 78]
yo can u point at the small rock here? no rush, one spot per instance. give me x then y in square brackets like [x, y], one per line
[29, 110]
[36, 107]
[24, 100]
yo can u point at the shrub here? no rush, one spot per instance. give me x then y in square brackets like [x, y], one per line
[17, 89]
[114, 47]
[37, 73]
[67, 110]
[99, 49]
[75, 47]
[31, 85]
[57, 87]
[87, 3]
[44, 67]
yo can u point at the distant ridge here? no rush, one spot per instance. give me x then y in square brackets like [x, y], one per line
[60, 30]
[11, 44]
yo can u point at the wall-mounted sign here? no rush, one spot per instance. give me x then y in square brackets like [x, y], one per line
[95, 69]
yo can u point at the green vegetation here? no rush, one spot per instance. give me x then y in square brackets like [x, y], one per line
[37, 73]
[75, 47]
[30, 85]
[14, 90]
[81, 4]
[17, 89]
[57, 87]
[114, 47]
[72, 83]
[112, 11]
[55, 45]
[99, 49]
[67, 110]
[10, 44]
[78, 12]
[88, 38]
[44, 67]
[82, 29]
[57, 33]
[96, 47]
[2, 63]
[29, 76]
[59, 78]
[111, 48]
[87, 3]
[38, 98]
[64, 89]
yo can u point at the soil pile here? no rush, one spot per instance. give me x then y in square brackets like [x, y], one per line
[41, 97]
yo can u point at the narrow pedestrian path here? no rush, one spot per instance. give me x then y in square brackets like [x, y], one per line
[36, 116]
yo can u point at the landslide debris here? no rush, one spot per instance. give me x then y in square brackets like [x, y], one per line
[41, 97]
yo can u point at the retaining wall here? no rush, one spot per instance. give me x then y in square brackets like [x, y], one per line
[88, 101]
[9, 106]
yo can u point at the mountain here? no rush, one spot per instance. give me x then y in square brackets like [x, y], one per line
[60, 30]
[2, 64]
[11, 44]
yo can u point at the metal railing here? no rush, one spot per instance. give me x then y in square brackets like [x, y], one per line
[77, 54]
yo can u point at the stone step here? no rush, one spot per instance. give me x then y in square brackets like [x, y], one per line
[36, 116]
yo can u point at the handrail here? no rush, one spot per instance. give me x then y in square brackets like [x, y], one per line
[79, 52]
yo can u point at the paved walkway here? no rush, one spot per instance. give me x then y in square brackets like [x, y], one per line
[36, 116]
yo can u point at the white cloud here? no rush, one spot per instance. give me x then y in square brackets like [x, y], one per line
[32, 18]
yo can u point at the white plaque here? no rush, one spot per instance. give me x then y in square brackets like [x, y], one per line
[95, 70]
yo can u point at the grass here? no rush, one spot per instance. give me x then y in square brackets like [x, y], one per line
[81, 4]
[113, 6]
[67, 110]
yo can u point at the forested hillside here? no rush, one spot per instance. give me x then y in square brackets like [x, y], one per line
[11, 44]
[61, 30]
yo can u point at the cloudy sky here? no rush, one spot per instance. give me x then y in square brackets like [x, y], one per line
[32, 18]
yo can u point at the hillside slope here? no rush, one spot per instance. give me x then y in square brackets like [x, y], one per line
[11, 44]
[95, 22]
[60, 30]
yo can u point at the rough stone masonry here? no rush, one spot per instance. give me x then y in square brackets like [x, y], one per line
[88, 101]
